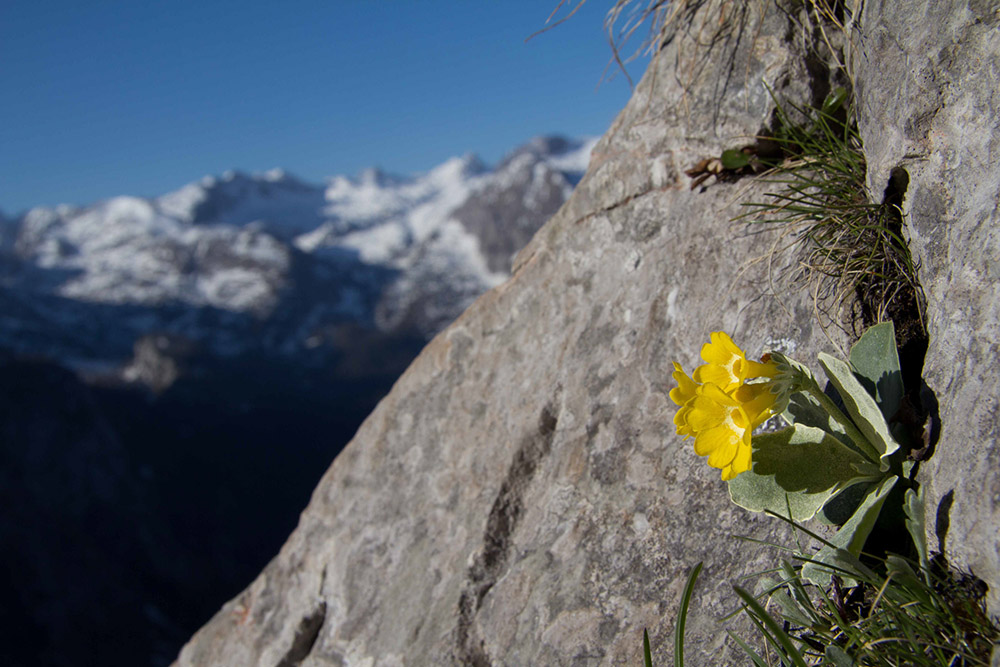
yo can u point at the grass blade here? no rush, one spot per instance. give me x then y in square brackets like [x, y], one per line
[774, 630]
[647, 657]
[682, 615]
[752, 654]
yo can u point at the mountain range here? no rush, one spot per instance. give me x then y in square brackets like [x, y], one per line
[177, 372]
[265, 261]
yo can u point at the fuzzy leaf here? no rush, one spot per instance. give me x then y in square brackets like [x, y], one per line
[734, 159]
[803, 409]
[790, 609]
[844, 504]
[915, 524]
[843, 548]
[863, 409]
[837, 657]
[876, 363]
[799, 468]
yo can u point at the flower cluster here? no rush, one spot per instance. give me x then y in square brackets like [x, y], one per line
[726, 399]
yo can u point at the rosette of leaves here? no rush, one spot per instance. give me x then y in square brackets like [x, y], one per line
[838, 459]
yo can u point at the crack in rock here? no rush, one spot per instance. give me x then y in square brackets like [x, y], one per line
[503, 519]
[305, 637]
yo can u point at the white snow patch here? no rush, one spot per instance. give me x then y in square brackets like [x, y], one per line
[574, 161]
[235, 288]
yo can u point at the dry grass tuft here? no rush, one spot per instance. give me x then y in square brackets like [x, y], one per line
[852, 253]
[659, 18]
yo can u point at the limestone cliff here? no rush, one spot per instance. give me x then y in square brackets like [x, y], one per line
[926, 74]
[520, 496]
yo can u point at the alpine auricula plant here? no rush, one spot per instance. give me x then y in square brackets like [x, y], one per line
[803, 470]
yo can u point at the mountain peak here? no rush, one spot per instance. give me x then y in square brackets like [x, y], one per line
[558, 152]
[276, 175]
[377, 177]
[407, 252]
[463, 167]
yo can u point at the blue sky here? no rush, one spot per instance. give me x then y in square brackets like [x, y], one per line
[103, 97]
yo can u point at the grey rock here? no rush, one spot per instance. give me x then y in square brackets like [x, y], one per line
[926, 74]
[520, 497]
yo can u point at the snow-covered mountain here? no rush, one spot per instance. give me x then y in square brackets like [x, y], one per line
[268, 316]
[245, 261]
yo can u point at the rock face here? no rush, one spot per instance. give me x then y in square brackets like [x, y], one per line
[926, 76]
[520, 496]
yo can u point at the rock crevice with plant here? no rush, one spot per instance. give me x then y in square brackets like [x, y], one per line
[845, 459]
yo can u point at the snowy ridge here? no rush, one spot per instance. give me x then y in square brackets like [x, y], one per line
[272, 251]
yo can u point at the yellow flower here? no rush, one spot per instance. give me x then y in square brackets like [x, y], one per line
[682, 394]
[720, 409]
[759, 400]
[726, 366]
[722, 430]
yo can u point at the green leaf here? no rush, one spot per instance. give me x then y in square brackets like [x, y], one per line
[798, 470]
[790, 609]
[908, 587]
[734, 159]
[834, 100]
[913, 505]
[863, 409]
[837, 657]
[803, 409]
[682, 615]
[778, 637]
[850, 539]
[901, 570]
[843, 505]
[647, 657]
[797, 591]
[876, 363]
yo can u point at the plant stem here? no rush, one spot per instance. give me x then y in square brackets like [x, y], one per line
[850, 429]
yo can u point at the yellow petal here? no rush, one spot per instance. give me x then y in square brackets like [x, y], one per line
[725, 363]
[714, 393]
[714, 439]
[686, 387]
[717, 375]
[721, 350]
[758, 401]
[706, 413]
[755, 369]
[722, 456]
[743, 461]
[681, 422]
